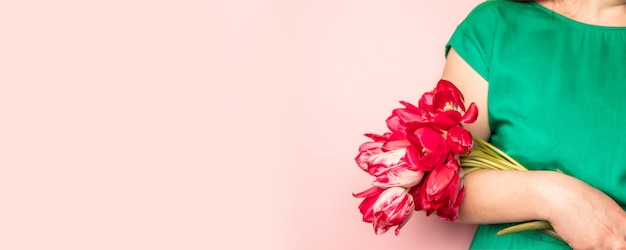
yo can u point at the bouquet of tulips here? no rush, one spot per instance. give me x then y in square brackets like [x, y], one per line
[420, 163]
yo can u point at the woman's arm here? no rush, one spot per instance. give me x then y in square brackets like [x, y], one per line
[582, 215]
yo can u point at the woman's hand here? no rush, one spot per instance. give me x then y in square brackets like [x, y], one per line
[585, 217]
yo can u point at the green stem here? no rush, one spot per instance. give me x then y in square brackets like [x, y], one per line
[552, 233]
[526, 226]
[482, 162]
[488, 145]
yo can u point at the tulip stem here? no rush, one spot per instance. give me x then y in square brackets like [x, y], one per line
[485, 144]
[468, 170]
[526, 226]
[552, 233]
[544, 226]
[491, 157]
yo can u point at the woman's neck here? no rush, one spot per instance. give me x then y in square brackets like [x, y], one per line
[595, 12]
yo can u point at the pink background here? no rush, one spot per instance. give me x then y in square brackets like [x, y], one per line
[129, 124]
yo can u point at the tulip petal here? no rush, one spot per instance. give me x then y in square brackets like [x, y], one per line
[395, 144]
[447, 100]
[399, 177]
[431, 147]
[410, 115]
[409, 106]
[426, 101]
[470, 115]
[412, 159]
[366, 208]
[372, 191]
[395, 123]
[438, 180]
[451, 211]
[367, 152]
[447, 86]
[381, 163]
[419, 198]
[459, 140]
[444, 120]
[370, 195]
[378, 138]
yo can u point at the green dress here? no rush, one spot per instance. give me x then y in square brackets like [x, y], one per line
[557, 98]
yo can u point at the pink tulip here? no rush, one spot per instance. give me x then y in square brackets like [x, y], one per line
[446, 107]
[393, 207]
[443, 186]
[428, 148]
[448, 99]
[385, 160]
[379, 150]
[389, 167]
[448, 93]
[376, 158]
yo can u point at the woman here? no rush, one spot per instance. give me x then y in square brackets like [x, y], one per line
[549, 78]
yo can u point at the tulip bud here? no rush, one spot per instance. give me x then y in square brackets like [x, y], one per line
[393, 207]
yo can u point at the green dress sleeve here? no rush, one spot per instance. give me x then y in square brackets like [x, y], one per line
[473, 39]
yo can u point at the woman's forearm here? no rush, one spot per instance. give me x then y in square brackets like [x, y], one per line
[499, 196]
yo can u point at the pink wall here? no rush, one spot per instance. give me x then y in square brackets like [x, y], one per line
[351, 62]
[207, 124]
